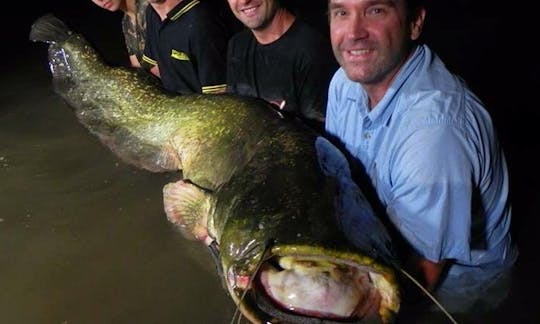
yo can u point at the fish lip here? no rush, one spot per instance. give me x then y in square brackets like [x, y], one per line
[261, 305]
[255, 302]
[269, 312]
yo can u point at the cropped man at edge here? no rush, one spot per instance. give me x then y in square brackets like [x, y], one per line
[133, 25]
[280, 59]
[428, 147]
[186, 46]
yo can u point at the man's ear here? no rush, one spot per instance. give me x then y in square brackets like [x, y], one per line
[417, 24]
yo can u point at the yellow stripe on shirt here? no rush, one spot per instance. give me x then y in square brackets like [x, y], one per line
[149, 60]
[185, 9]
[220, 88]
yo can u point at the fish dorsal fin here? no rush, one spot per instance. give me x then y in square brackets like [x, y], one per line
[187, 206]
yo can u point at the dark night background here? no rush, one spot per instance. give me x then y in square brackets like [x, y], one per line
[490, 45]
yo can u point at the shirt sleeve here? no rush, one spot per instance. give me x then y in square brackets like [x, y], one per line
[210, 50]
[150, 47]
[130, 35]
[432, 186]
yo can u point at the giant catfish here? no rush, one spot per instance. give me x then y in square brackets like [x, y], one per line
[265, 193]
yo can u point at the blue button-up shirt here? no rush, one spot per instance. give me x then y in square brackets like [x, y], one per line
[431, 152]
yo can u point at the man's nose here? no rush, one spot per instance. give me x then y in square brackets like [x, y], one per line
[356, 27]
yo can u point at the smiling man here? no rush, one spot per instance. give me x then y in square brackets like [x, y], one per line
[281, 59]
[428, 147]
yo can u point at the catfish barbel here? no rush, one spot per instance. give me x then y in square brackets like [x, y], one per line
[266, 194]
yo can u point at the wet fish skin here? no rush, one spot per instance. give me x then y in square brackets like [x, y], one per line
[254, 177]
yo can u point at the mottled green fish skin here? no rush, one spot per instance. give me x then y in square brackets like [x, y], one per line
[266, 186]
[208, 137]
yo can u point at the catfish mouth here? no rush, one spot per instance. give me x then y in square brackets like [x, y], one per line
[314, 290]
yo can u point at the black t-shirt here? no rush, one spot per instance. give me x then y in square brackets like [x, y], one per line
[293, 72]
[189, 46]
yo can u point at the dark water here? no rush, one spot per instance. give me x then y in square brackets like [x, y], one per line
[84, 239]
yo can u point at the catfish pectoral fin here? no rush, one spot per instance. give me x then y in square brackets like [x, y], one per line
[187, 206]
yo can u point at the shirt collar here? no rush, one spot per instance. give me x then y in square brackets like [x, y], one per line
[181, 9]
[383, 111]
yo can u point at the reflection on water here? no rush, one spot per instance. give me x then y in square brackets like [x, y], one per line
[84, 238]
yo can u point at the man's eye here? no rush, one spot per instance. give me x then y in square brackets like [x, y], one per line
[375, 11]
[338, 13]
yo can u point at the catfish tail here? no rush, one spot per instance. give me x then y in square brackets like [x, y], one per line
[49, 29]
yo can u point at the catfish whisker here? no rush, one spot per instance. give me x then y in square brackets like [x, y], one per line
[237, 311]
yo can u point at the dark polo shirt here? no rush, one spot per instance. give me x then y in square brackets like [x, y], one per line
[189, 46]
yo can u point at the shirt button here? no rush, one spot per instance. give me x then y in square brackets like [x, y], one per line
[367, 136]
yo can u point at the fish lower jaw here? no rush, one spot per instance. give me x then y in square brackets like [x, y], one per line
[293, 290]
[323, 294]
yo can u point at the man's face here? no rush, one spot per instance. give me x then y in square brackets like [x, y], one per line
[254, 14]
[370, 38]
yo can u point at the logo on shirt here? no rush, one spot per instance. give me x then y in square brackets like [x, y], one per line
[179, 55]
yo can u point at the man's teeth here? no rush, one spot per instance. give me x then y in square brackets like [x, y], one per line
[249, 10]
[358, 52]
